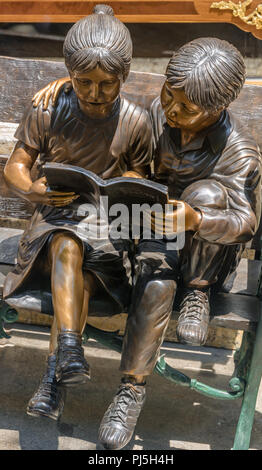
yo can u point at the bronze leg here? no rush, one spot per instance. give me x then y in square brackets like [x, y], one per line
[67, 281]
[49, 399]
[70, 293]
[53, 338]
[202, 261]
[151, 309]
[146, 326]
[89, 290]
[202, 264]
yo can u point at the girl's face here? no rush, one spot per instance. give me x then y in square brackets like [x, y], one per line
[96, 91]
[182, 113]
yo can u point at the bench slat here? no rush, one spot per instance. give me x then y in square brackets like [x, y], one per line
[235, 311]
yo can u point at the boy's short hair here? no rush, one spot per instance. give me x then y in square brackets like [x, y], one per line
[210, 71]
[99, 39]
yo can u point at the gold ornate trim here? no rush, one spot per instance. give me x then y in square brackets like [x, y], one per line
[239, 10]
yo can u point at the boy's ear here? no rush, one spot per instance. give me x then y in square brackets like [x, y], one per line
[218, 111]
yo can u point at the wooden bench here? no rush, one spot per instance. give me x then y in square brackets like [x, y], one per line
[237, 308]
[244, 16]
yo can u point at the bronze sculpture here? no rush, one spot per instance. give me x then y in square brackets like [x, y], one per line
[92, 127]
[212, 165]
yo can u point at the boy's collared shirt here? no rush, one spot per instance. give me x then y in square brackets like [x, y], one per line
[224, 152]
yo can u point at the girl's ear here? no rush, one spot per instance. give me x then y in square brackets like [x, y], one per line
[122, 80]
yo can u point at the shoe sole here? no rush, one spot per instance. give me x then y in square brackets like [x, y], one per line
[73, 379]
[42, 414]
[112, 447]
[190, 341]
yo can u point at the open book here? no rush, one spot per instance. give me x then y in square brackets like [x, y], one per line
[118, 190]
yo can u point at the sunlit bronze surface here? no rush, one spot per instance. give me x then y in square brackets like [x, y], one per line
[91, 127]
[201, 153]
[97, 91]
[213, 167]
[210, 165]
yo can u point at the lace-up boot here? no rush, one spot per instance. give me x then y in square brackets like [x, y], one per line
[192, 327]
[71, 368]
[49, 398]
[119, 421]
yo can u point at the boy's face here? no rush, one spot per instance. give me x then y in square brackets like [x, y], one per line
[96, 91]
[182, 113]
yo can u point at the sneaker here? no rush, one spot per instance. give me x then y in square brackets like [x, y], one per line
[49, 399]
[119, 421]
[193, 321]
[71, 367]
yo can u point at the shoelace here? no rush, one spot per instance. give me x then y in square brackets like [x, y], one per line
[75, 352]
[125, 392]
[45, 390]
[193, 304]
[48, 383]
[130, 387]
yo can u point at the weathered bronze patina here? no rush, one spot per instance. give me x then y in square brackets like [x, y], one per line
[213, 169]
[213, 172]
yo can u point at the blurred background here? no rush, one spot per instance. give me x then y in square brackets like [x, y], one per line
[153, 42]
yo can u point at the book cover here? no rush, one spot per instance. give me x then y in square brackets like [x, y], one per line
[118, 190]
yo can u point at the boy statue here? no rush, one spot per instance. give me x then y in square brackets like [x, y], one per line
[213, 168]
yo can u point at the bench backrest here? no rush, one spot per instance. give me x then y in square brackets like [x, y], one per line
[21, 78]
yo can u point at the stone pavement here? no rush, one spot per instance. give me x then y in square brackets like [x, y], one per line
[173, 417]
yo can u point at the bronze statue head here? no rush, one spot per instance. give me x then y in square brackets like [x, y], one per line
[202, 78]
[98, 53]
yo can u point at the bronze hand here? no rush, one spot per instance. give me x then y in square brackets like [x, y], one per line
[39, 192]
[18, 177]
[51, 91]
[181, 218]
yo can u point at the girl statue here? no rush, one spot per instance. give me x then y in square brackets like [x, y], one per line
[91, 127]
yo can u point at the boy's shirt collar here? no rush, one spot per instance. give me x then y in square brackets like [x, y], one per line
[217, 136]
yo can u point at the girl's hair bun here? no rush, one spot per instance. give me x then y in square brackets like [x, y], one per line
[103, 10]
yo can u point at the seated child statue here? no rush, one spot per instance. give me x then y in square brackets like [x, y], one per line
[92, 127]
[212, 168]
